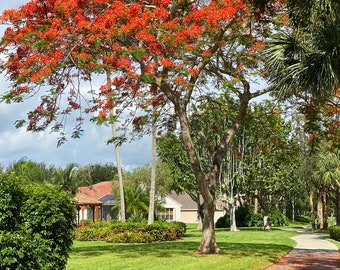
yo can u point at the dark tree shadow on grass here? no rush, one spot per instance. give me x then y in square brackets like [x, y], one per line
[179, 248]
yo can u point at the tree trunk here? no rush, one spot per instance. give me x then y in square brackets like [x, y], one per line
[120, 175]
[265, 207]
[337, 207]
[311, 207]
[232, 205]
[208, 243]
[233, 227]
[206, 185]
[199, 213]
[325, 210]
[153, 172]
[256, 202]
[293, 209]
[266, 223]
[116, 147]
[320, 211]
[206, 181]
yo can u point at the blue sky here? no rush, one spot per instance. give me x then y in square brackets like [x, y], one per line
[42, 147]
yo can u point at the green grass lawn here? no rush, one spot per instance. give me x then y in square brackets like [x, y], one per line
[247, 249]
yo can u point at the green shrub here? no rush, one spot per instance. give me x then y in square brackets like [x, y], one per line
[334, 232]
[254, 219]
[12, 196]
[43, 220]
[245, 217]
[223, 222]
[277, 218]
[51, 213]
[304, 219]
[21, 251]
[92, 233]
[132, 232]
[130, 237]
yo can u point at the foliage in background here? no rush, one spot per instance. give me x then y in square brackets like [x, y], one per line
[33, 171]
[140, 176]
[136, 203]
[101, 172]
[245, 217]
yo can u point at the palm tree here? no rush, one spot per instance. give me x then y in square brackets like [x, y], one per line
[304, 61]
[136, 202]
[305, 58]
[328, 172]
[68, 178]
[153, 171]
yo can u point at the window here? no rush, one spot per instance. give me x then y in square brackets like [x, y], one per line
[167, 215]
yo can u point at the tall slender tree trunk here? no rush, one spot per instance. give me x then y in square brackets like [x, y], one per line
[293, 208]
[256, 201]
[116, 147]
[120, 175]
[153, 171]
[233, 227]
[232, 210]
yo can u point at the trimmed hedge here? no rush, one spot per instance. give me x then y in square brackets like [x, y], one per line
[334, 232]
[132, 232]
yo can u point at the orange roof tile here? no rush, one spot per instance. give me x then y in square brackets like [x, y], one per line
[83, 199]
[98, 190]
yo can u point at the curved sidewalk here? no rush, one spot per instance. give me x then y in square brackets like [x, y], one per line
[312, 252]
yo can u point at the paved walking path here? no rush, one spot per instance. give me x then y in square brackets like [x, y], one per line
[312, 252]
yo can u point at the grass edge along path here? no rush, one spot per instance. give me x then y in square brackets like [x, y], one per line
[251, 248]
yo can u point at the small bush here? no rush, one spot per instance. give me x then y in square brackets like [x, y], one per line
[254, 219]
[278, 219]
[223, 222]
[334, 232]
[303, 219]
[132, 232]
[130, 237]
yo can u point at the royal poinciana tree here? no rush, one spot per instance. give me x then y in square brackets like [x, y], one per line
[174, 51]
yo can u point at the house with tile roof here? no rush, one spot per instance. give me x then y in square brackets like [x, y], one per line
[101, 192]
[177, 207]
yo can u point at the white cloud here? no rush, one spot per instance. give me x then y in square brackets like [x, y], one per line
[42, 147]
